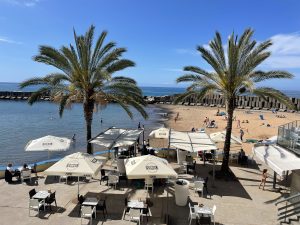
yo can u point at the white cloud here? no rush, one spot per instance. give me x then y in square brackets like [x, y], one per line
[26, 3]
[9, 41]
[285, 51]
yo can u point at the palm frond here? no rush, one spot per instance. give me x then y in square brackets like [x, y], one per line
[120, 65]
[188, 78]
[259, 76]
[62, 104]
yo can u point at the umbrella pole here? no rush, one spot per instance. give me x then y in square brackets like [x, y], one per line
[78, 186]
[214, 169]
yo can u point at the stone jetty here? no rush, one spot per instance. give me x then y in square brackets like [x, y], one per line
[213, 100]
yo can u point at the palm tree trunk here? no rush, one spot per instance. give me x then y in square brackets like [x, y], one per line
[230, 109]
[88, 107]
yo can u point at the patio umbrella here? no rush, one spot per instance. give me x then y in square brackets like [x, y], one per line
[78, 165]
[220, 137]
[148, 166]
[48, 143]
[160, 133]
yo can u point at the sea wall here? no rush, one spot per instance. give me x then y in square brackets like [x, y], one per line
[19, 95]
[216, 100]
[213, 100]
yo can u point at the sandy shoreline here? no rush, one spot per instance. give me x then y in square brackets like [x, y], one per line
[193, 116]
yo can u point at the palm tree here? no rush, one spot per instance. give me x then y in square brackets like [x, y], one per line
[85, 76]
[233, 73]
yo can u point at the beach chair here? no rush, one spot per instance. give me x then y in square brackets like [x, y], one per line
[87, 212]
[213, 213]
[135, 215]
[101, 206]
[31, 193]
[146, 212]
[35, 204]
[149, 184]
[126, 209]
[193, 215]
[25, 175]
[113, 180]
[198, 187]
[103, 176]
[49, 200]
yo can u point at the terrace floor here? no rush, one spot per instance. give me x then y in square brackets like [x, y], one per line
[238, 202]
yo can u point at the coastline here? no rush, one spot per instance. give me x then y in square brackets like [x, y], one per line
[193, 116]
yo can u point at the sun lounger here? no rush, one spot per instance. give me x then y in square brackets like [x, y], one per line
[266, 108]
[282, 110]
[186, 103]
[212, 105]
[192, 104]
[179, 103]
[240, 107]
[198, 104]
[256, 108]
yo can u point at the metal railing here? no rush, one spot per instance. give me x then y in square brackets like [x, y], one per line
[291, 208]
[289, 136]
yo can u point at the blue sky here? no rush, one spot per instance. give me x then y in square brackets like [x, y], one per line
[160, 35]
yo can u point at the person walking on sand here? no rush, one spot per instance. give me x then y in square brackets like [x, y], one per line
[206, 121]
[238, 124]
[263, 179]
[242, 134]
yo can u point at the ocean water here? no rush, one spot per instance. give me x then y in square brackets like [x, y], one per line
[20, 122]
[147, 91]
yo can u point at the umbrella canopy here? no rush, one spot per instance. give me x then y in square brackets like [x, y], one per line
[116, 137]
[148, 166]
[77, 164]
[220, 137]
[277, 158]
[48, 143]
[191, 141]
[160, 133]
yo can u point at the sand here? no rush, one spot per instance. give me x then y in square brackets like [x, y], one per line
[193, 116]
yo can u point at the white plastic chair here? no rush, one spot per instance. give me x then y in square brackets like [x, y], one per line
[198, 187]
[135, 215]
[35, 204]
[213, 213]
[113, 180]
[87, 212]
[146, 214]
[25, 175]
[64, 177]
[193, 215]
[149, 184]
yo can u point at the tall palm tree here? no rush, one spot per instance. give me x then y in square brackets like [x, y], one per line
[233, 73]
[85, 76]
